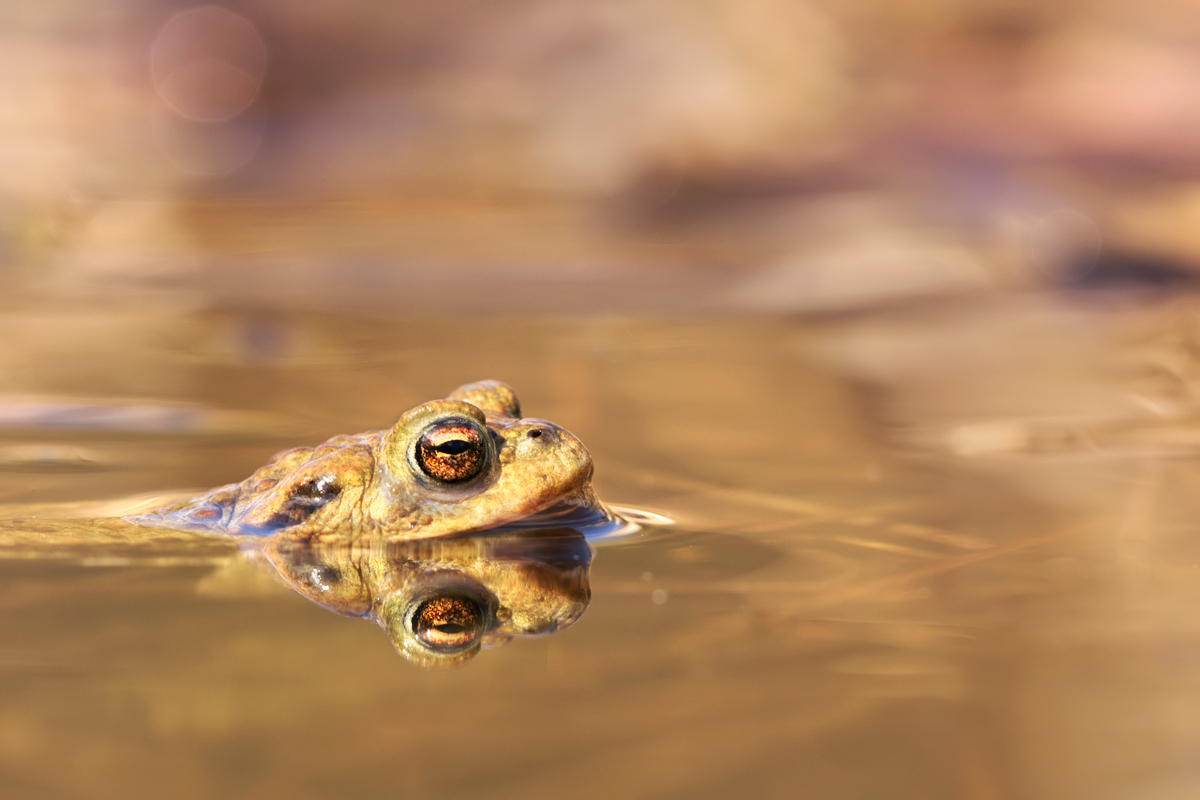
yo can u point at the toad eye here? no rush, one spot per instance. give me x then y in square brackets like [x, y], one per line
[307, 497]
[448, 623]
[452, 451]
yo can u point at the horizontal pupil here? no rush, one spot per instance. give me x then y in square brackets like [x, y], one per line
[453, 447]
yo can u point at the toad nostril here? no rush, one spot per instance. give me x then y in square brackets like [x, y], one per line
[533, 434]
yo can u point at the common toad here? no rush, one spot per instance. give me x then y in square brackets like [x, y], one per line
[466, 463]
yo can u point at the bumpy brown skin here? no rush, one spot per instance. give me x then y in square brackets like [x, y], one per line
[371, 485]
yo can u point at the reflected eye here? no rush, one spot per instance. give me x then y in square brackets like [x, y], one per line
[452, 451]
[448, 623]
[306, 498]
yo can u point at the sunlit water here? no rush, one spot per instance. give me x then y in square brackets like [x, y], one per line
[911, 557]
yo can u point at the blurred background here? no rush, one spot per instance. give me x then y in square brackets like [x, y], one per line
[563, 155]
[889, 305]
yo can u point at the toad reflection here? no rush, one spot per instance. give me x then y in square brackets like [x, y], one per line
[443, 600]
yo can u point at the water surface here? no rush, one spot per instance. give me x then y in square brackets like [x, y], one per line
[911, 557]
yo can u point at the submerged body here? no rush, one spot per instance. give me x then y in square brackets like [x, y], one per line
[463, 464]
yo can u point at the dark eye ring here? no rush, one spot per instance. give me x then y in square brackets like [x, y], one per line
[452, 451]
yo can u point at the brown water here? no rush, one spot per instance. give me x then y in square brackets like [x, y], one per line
[937, 554]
